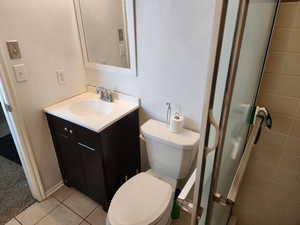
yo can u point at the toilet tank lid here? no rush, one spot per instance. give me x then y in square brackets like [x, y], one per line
[186, 139]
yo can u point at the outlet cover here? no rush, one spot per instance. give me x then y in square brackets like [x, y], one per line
[60, 77]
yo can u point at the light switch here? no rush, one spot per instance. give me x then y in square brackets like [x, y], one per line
[60, 77]
[14, 49]
[20, 73]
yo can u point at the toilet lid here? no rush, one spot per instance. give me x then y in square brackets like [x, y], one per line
[141, 200]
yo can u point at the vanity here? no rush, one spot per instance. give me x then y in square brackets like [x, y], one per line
[96, 142]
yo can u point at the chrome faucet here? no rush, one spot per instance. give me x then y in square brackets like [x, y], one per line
[105, 94]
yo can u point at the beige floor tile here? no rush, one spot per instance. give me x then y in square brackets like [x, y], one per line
[13, 222]
[84, 223]
[80, 204]
[37, 211]
[63, 193]
[97, 217]
[61, 216]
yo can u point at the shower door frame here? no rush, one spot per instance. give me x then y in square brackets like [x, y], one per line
[195, 207]
[18, 130]
[234, 60]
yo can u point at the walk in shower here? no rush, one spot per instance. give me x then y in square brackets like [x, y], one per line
[253, 175]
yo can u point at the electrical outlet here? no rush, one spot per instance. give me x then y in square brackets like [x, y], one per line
[60, 77]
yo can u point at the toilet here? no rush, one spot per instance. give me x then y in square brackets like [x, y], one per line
[147, 198]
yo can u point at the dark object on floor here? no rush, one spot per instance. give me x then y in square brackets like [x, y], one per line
[15, 195]
[8, 149]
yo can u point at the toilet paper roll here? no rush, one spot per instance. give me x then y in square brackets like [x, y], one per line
[176, 123]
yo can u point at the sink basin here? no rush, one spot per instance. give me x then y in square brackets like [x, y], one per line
[91, 108]
[87, 110]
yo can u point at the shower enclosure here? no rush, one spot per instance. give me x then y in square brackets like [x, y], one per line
[234, 121]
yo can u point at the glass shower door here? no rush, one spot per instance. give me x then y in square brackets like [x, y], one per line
[255, 20]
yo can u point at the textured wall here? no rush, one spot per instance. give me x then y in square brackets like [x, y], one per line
[270, 192]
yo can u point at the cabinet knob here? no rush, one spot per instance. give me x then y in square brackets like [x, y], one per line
[66, 129]
[71, 132]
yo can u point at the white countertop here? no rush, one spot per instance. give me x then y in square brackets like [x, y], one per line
[87, 110]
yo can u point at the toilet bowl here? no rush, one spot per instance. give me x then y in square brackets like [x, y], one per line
[147, 198]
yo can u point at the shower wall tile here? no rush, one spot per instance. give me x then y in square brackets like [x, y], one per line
[286, 40]
[281, 85]
[270, 137]
[295, 132]
[294, 41]
[292, 147]
[272, 179]
[297, 22]
[276, 63]
[281, 123]
[288, 14]
[279, 42]
[292, 63]
[287, 106]
[267, 154]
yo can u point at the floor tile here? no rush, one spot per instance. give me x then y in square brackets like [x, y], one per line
[80, 204]
[97, 217]
[13, 222]
[37, 211]
[61, 216]
[84, 223]
[63, 193]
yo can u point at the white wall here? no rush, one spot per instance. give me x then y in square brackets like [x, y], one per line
[49, 41]
[173, 39]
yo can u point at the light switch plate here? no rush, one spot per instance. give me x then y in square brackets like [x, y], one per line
[14, 49]
[20, 73]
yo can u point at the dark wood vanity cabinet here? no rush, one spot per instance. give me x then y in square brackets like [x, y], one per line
[97, 164]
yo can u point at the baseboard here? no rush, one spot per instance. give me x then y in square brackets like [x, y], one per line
[54, 188]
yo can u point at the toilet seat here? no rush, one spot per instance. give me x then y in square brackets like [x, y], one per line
[142, 200]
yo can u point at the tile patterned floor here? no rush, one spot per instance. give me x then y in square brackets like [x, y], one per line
[67, 207]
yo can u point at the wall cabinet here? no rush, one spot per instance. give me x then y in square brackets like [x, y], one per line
[97, 164]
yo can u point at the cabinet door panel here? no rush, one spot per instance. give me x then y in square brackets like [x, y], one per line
[92, 169]
[69, 161]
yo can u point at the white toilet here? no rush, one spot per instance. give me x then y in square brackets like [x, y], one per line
[147, 198]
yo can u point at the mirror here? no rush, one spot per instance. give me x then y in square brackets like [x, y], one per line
[107, 34]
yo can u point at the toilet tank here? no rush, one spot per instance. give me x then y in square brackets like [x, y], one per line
[170, 154]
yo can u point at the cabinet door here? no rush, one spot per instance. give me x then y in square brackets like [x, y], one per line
[92, 169]
[69, 161]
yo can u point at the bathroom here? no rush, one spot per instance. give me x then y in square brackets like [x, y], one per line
[171, 52]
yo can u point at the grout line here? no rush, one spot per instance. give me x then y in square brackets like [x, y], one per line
[18, 220]
[72, 211]
[284, 52]
[281, 74]
[63, 203]
[277, 95]
[48, 212]
[76, 212]
[270, 92]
